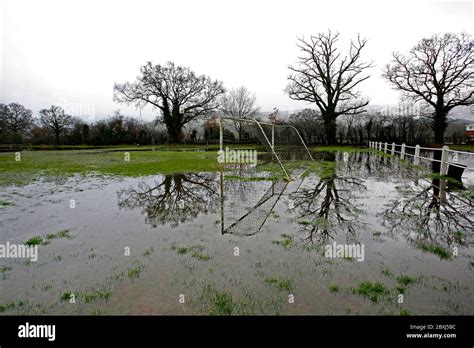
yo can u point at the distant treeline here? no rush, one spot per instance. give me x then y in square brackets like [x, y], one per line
[18, 126]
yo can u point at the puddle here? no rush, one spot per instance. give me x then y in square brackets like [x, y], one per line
[226, 243]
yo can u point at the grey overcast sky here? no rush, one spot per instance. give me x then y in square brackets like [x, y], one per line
[70, 52]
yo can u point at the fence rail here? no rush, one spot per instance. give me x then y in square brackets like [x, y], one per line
[445, 151]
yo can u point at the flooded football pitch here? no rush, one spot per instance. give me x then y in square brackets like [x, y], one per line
[237, 242]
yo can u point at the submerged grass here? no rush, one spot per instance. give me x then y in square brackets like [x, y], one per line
[279, 283]
[196, 251]
[438, 250]
[39, 240]
[286, 241]
[373, 291]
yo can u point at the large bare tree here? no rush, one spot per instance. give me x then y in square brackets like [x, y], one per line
[438, 71]
[176, 91]
[15, 118]
[324, 77]
[239, 103]
[55, 119]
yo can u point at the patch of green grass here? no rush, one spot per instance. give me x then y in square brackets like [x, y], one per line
[11, 305]
[223, 304]
[404, 281]
[66, 296]
[39, 240]
[135, 270]
[373, 291]
[5, 203]
[5, 269]
[404, 312]
[334, 289]
[35, 164]
[347, 148]
[195, 250]
[286, 241]
[280, 283]
[438, 250]
[98, 294]
[386, 272]
[36, 240]
[180, 250]
[59, 234]
[200, 256]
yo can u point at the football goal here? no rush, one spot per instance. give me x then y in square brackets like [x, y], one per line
[277, 143]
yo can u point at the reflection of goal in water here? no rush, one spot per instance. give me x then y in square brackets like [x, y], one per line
[274, 142]
[247, 205]
[247, 216]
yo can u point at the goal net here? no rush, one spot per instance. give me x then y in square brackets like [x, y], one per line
[269, 142]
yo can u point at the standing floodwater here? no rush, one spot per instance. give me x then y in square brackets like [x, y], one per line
[229, 243]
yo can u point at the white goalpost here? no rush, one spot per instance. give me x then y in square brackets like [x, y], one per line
[282, 143]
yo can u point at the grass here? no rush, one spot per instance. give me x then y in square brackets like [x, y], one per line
[11, 305]
[279, 283]
[5, 203]
[39, 240]
[59, 234]
[5, 269]
[111, 161]
[223, 304]
[342, 148]
[195, 250]
[66, 296]
[467, 147]
[438, 250]
[286, 241]
[36, 240]
[36, 164]
[373, 291]
[403, 282]
[135, 270]
[334, 289]
[98, 294]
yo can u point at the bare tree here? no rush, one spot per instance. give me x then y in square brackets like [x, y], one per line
[55, 119]
[16, 119]
[437, 71]
[176, 91]
[239, 103]
[323, 77]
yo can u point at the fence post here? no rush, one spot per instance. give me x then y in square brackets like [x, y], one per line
[393, 149]
[444, 161]
[416, 161]
[380, 146]
[402, 153]
[385, 147]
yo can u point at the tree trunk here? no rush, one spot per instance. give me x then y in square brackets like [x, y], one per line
[173, 124]
[330, 128]
[439, 125]
[56, 136]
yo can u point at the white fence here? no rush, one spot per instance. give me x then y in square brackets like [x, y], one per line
[445, 153]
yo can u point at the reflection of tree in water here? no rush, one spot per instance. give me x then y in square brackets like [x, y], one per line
[176, 199]
[431, 214]
[328, 207]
